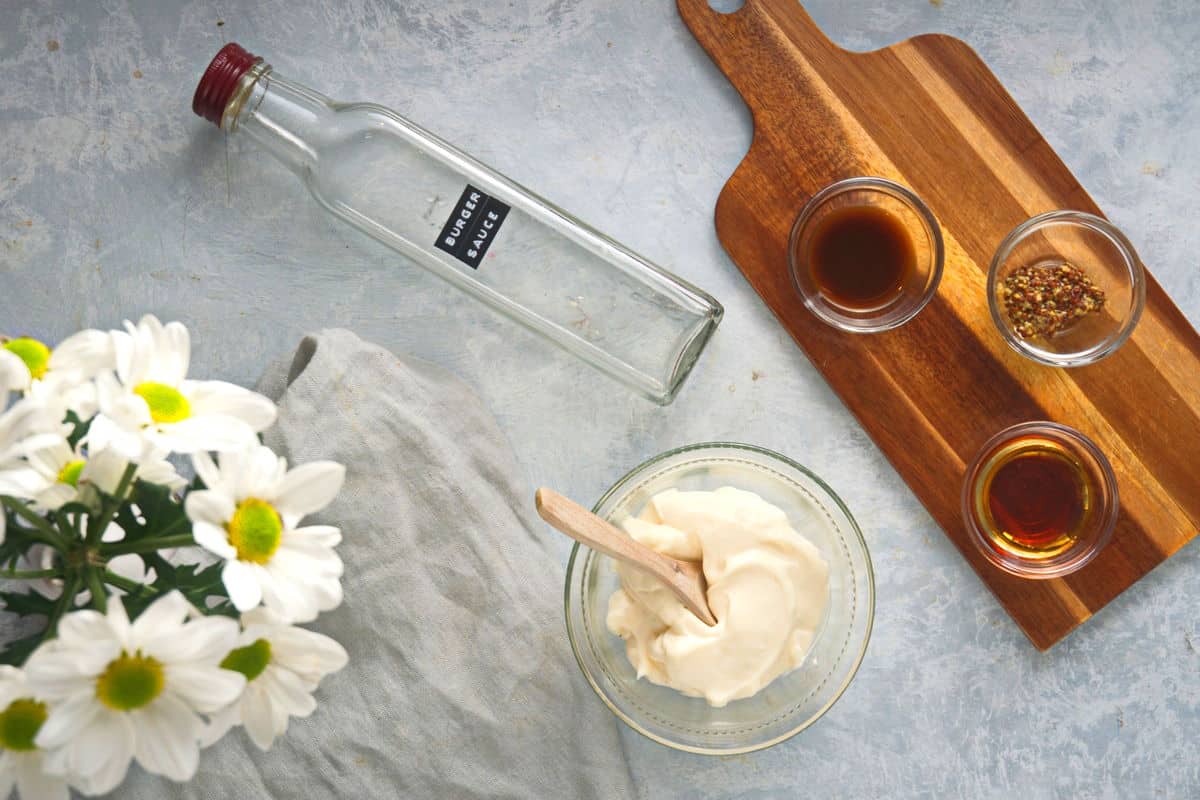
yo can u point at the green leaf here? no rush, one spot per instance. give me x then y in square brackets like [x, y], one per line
[161, 513]
[198, 583]
[154, 500]
[133, 527]
[225, 608]
[80, 431]
[14, 545]
[164, 570]
[16, 652]
[160, 510]
[17, 539]
[27, 603]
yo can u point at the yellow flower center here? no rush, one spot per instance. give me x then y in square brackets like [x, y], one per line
[165, 402]
[71, 472]
[20, 723]
[250, 660]
[35, 354]
[130, 681]
[255, 531]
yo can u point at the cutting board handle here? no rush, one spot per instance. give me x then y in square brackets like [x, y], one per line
[696, 9]
[738, 41]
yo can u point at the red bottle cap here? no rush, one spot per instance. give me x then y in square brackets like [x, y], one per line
[220, 81]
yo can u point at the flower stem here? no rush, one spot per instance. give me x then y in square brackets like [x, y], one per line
[147, 545]
[28, 574]
[121, 582]
[96, 587]
[97, 526]
[67, 527]
[66, 601]
[42, 531]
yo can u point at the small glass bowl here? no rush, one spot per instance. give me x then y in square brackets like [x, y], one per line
[791, 702]
[1101, 514]
[1097, 247]
[919, 287]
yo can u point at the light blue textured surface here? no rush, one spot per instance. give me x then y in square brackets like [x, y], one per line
[115, 200]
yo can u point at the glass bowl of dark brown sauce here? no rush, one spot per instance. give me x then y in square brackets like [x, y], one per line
[1066, 288]
[1040, 500]
[866, 254]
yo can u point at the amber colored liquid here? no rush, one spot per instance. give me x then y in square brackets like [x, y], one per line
[1037, 498]
[861, 256]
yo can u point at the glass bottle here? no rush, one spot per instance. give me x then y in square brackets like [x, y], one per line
[487, 235]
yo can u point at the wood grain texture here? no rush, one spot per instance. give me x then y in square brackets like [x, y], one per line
[928, 113]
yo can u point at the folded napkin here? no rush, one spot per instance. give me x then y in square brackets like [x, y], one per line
[461, 683]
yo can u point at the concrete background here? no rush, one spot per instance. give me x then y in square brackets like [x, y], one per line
[115, 200]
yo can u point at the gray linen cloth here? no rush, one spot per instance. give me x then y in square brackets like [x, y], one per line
[461, 683]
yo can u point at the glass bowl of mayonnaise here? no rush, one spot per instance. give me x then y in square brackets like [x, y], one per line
[789, 581]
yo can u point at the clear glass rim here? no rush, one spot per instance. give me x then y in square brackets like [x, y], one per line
[1129, 256]
[237, 101]
[577, 552]
[897, 191]
[1075, 558]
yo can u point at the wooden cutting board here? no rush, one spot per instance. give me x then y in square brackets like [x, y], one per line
[929, 114]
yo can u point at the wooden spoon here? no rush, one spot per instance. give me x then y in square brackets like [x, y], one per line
[685, 579]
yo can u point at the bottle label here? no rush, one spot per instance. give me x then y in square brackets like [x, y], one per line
[472, 226]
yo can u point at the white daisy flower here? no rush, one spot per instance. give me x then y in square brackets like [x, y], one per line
[120, 691]
[63, 374]
[57, 471]
[283, 665]
[68, 471]
[22, 715]
[149, 405]
[27, 426]
[249, 515]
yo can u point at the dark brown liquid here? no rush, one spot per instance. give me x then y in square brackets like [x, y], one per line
[1037, 500]
[861, 257]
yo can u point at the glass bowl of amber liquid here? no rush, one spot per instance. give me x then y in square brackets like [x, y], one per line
[1040, 500]
[866, 255]
[1066, 288]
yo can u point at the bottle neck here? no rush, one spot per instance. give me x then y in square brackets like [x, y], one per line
[283, 117]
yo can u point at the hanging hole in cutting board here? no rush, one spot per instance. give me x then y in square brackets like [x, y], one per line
[726, 6]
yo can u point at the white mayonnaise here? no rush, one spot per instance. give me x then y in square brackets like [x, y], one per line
[767, 586]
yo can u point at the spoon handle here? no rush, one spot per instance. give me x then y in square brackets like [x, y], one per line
[586, 528]
[684, 578]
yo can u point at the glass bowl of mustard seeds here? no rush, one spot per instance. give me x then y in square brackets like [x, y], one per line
[1066, 288]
